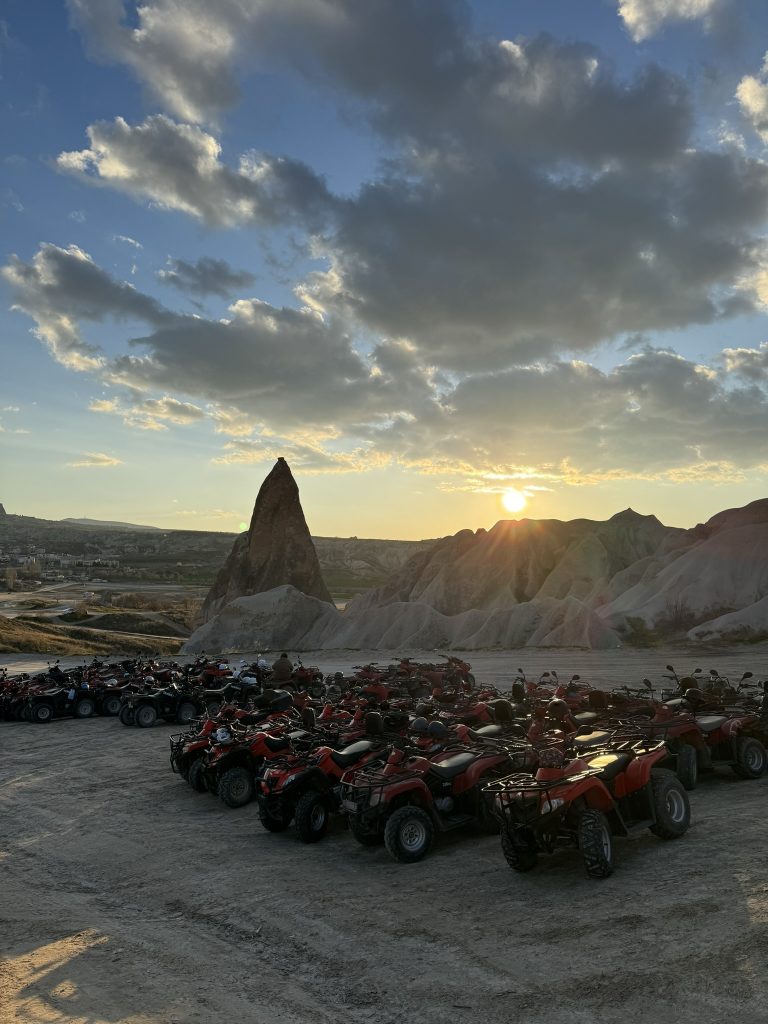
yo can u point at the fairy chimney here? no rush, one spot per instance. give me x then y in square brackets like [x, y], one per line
[276, 549]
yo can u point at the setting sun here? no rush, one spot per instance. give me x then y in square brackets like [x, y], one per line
[513, 500]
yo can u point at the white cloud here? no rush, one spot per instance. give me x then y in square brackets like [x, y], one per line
[644, 18]
[128, 241]
[95, 460]
[752, 94]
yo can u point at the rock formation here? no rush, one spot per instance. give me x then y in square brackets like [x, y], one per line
[2, 510]
[276, 550]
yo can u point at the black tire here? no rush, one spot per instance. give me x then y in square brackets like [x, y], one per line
[145, 716]
[596, 843]
[311, 817]
[687, 767]
[127, 715]
[751, 758]
[469, 683]
[195, 776]
[273, 822]
[670, 802]
[518, 849]
[111, 705]
[186, 712]
[236, 787]
[409, 834]
[41, 713]
[213, 709]
[363, 837]
[85, 708]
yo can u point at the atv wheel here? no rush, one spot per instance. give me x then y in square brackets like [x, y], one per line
[195, 776]
[84, 708]
[311, 817]
[518, 849]
[145, 716]
[273, 822]
[596, 843]
[110, 705]
[186, 712]
[41, 713]
[751, 758]
[687, 768]
[363, 837]
[213, 709]
[127, 715]
[670, 802]
[409, 834]
[236, 787]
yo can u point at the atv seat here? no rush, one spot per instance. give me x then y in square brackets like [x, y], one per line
[452, 766]
[275, 743]
[610, 765]
[585, 717]
[709, 723]
[346, 757]
[487, 730]
[676, 702]
[591, 739]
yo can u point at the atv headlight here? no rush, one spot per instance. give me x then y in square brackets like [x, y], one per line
[547, 805]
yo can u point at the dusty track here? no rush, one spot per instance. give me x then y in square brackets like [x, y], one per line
[128, 898]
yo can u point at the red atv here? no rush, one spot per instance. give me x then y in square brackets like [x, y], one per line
[411, 797]
[305, 788]
[586, 801]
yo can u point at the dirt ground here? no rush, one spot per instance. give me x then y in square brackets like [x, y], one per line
[126, 898]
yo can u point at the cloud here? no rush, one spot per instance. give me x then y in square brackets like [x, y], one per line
[95, 460]
[150, 413]
[207, 276]
[60, 288]
[752, 94]
[178, 167]
[128, 241]
[644, 18]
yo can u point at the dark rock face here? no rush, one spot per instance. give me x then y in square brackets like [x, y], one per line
[2, 510]
[276, 550]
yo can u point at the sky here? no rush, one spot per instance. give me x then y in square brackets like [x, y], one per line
[456, 262]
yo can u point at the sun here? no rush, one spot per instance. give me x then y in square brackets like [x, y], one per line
[513, 500]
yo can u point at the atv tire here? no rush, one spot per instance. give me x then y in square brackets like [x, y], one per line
[596, 843]
[213, 709]
[311, 817]
[687, 768]
[195, 776]
[186, 712]
[271, 822]
[127, 715]
[518, 850]
[670, 802]
[85, 708]
[41, 713]
[236, 787]
[361, 836]
[145, 716]
[409, 834]
[751, 758]
[110, 705]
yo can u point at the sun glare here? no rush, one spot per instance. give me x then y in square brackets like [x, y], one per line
[513, 500]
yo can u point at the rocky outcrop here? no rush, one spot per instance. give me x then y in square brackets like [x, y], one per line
[2, 510]
[276, 550]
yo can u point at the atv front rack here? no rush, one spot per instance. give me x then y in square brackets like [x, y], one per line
[522, 799]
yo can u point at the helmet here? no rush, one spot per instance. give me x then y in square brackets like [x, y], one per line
[223, 735]
[437, 730]
[419, 726]
[338, 676]
[557, 708]
[693, 694]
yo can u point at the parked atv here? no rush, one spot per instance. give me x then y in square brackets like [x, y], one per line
[586, 801]
[233, 762]
[173, 703]
[64, 701]
[411, 797]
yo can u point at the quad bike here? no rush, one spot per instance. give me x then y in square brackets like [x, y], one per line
[173, 703]
[305, 788]
[74, 701]
[732, 736]
[585, 801]
[411, 797]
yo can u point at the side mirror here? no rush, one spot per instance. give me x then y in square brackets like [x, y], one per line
[747, 675]
[670, 669]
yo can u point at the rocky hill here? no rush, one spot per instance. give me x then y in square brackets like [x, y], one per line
[581, 583]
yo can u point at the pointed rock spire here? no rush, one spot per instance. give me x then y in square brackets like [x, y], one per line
[276, 549]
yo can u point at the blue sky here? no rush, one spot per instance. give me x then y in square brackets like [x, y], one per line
[431, 252]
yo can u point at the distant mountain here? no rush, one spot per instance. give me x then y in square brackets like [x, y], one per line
[107, 524]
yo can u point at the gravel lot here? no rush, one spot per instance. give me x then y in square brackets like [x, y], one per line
[129, 899]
